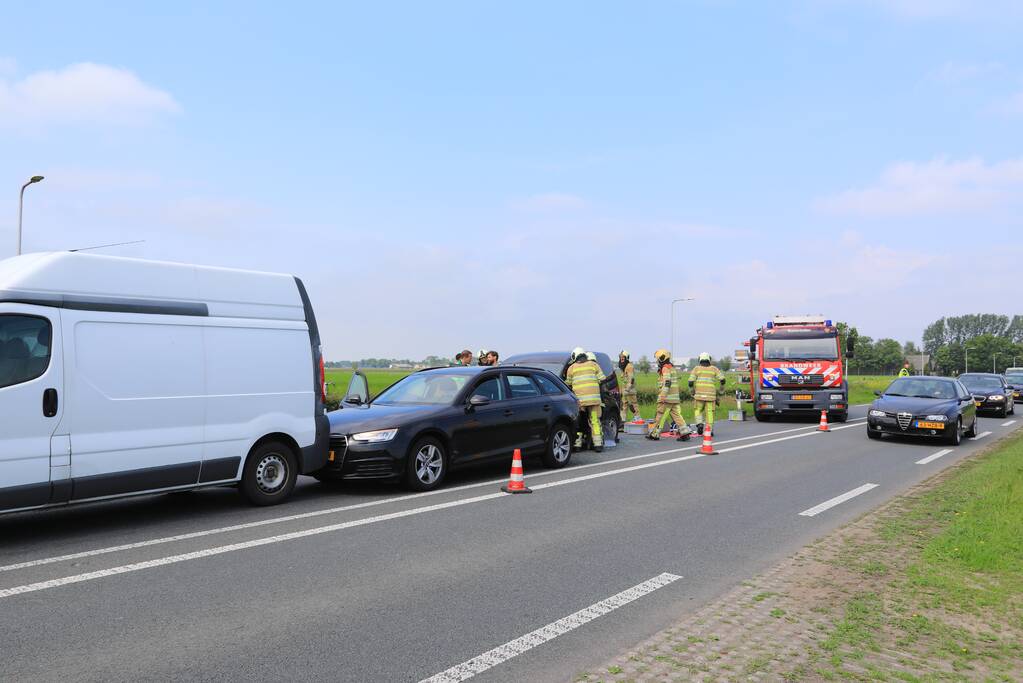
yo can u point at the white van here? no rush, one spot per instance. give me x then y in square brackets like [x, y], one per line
[123, 376]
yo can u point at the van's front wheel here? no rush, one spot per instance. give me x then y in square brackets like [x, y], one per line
[270, 474]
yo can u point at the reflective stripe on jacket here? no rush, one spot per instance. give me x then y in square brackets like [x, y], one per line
[705, 381]
[584, 380]
[628, 383]
[667, 380]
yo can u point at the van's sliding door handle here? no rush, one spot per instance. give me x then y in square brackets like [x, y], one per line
[50, 402]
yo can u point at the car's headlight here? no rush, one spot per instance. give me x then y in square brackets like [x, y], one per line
[837, 397]
[766, 397]
[375, 437]
[996, 397]
[936, 418]
[877, 413]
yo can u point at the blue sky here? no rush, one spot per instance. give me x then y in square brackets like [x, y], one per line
[536, 175]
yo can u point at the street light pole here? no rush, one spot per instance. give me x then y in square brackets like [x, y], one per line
[994, 357]
[21, 204]
[967, 358]
[675, 301]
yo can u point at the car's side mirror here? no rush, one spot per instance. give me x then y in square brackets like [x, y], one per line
[354, 400]
[478, 401]
[877, 392]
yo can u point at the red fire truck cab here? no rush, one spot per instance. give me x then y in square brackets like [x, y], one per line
[796, 369]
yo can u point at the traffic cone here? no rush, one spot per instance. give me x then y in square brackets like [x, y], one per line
[708, 446]
[824, 422]
[517, 483]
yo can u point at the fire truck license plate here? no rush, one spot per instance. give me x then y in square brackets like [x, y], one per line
[803, 397]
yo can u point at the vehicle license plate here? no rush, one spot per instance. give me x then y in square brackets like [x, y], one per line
[979, 403]
[1015, 394]
[930, 425]
[803, 397]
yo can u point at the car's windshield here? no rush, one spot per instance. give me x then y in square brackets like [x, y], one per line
[922, 388]
[980, 382]
[432, 388]
[800, 348]
[1014, 379]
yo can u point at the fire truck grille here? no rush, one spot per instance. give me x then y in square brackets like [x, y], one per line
[800, 379]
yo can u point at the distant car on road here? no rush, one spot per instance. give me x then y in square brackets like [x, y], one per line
[924, 406]
[557, 362]
[440, 419]
[1015, 382]
[991, 392]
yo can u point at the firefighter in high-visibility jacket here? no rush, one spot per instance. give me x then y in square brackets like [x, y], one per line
[627, 384]
[704, 380]
[583, 378]
[668, 399]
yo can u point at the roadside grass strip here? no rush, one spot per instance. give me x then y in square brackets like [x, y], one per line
[935, 456]
[331, 528]
[360, 506]
[950, 602]
[837, 500]
[514, 648]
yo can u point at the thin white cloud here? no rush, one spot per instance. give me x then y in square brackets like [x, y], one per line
[949, 9]
[939, 186]
[1012, 106]
[8, 67]
[83, 93]
[957, 73]
[550, 201]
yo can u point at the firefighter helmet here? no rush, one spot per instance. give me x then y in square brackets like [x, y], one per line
[591, 356]
[578, 351]
[704, 357]
[625, 353]
[662, 355]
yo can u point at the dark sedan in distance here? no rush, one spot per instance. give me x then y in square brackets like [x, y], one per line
[441, 419]
[991, 392]
[1015, 382]
[938, 407]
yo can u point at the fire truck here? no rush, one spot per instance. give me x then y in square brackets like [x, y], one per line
[796, 369]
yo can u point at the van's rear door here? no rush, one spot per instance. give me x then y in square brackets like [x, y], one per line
[31, 404]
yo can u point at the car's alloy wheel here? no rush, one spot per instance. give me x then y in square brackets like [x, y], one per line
[428, 464]
[957, 433]
[559, 448]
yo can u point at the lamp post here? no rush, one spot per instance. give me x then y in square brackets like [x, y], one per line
[673, 302]
[21, 203]
[994, 357]
[967, 358]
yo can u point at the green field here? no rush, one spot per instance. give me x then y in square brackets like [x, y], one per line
[861, 388]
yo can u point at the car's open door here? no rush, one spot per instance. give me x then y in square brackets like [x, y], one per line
[358, 390]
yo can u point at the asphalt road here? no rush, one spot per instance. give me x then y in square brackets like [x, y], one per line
[370, 583]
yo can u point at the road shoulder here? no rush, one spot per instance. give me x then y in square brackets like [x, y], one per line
[910, 591]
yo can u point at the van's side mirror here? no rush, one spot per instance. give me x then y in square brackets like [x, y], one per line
[478, 401]
[850, 347]
[753, 348]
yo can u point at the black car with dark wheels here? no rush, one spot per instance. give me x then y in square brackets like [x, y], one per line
[991, 392]
[931, 407]
[441, 419]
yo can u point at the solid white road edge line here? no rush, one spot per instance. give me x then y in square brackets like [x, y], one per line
[837, 500]
[357, 506]
[980, 436]
[1009, 423]
[315, 531]
[514, 648]
[932, 458]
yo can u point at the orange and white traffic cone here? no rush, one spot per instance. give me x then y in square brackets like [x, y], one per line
[708, 445]
[824, 422]
[517, 483]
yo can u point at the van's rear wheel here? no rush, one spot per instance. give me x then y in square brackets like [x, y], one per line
[270, 474]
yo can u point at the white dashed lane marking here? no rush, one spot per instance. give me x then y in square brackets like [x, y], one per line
[980, 436]
[837, 500]
[932, 458]
[1009, 423]
[514, 648]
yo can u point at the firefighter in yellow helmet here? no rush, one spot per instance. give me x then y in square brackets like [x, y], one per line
[668, 399]
[583, 378]
[704, 381]
[627, 384]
